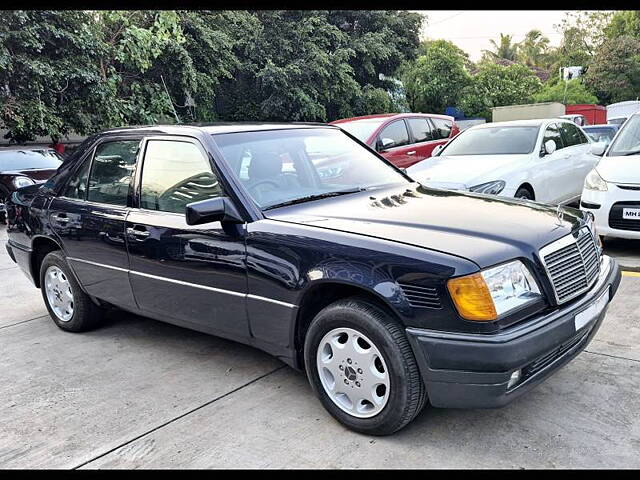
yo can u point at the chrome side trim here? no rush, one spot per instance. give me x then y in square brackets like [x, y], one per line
[188, 284]
[271, 300]
[80, 260]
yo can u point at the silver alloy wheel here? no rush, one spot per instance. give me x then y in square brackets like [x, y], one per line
[353, 372]
[59, 295]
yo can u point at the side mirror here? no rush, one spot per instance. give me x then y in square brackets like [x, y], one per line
[436, 151]
[598, 148]
[385, 143]
[218, 209]
[549, 147]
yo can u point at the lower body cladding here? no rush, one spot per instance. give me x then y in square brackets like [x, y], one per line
[486, 371]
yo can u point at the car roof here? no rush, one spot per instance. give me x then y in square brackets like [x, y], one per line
[391, 116]
[215, 128]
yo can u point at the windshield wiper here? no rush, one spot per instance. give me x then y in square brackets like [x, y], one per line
[316, 196]
[635, 152]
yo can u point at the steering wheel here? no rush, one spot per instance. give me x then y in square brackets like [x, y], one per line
[260, 182]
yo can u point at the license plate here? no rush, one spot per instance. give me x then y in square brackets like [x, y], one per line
[593, 311]
[631, 213]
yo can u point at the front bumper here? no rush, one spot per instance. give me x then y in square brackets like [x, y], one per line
[604, 201]
[473, 370]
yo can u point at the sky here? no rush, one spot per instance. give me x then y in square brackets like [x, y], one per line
[471, 30]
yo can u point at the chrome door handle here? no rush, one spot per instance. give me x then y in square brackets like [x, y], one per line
[59, 218]
[137, 234]
[411, 153]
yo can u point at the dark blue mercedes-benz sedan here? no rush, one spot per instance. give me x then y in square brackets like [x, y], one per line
[302, 241]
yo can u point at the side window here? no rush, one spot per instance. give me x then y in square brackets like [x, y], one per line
[111, 172]
[394, 135]
[583, 137]
[570, 134]
[443, 128]
[420, 129]
[174, 174]
[77, 186]
[553, 133]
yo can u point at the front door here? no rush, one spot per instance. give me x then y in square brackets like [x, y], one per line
[394, 144]
[89, 216]
[190, 275]
[555, 170]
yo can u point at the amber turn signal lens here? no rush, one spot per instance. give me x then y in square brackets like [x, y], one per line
[472, 298]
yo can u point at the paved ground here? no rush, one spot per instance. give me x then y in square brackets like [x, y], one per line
[139, 393]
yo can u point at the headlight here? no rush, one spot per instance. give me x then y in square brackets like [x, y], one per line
[595, 182]
[19, 182]
[486, 295]
[490, 188]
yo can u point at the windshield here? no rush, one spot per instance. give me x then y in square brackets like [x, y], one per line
[362, 129]
[601, 134]
[28, 159]
[493, 141]
[628, 140]
[290, 166]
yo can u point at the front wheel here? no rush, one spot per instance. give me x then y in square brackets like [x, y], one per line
[361, 366]
[70, 308]
[524, 193]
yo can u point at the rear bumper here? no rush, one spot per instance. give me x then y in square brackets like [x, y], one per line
[22, 256]
[473, 370]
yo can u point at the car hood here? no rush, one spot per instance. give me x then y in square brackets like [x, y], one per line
[484, 229]
[620, 169]
[462, 171]
[39, 175]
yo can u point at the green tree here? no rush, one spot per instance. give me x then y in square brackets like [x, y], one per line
[506, 49]
[436, 79]
[497, 85]
[532, 50]
[614, 74]
[572, 92]
[624, 23]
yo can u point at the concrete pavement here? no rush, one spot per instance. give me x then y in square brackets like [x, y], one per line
[142, 394]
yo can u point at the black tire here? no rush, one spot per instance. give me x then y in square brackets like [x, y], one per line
[525, 193]
[86, 314]
[407, 393]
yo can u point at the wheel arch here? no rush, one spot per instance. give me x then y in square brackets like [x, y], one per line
[320, 295]
[40, 247]
[529, 187]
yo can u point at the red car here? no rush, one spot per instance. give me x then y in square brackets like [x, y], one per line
[402, 138]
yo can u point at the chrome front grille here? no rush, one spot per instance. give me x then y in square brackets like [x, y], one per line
[572, 263]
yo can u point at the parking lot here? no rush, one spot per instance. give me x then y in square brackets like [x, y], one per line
[140, 393]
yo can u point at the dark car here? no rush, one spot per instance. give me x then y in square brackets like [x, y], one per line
[389, 294]
[22, 166]
[402, 138]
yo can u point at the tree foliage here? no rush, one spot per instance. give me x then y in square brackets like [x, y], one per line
[615, 72]
[84, 71]
[497, 85]
[437, 78]
[571, 92]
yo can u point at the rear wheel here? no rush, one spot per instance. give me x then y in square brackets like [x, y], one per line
[524, 193]
[70, 308]
[361, 366]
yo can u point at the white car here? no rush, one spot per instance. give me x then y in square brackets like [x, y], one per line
[612, 189]
[544, 160]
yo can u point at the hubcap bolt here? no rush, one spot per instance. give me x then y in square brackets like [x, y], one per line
[357, 384]
[349, 361]
[346, 381]
[359, 370]
[341, 367]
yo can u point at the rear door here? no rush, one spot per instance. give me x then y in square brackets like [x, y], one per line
[394, 144]
[190, 275]
[89, 218]
[424, 136]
